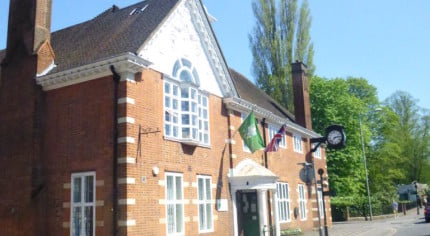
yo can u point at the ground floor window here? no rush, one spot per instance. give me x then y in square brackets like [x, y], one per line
[302, 202]
[283, 202]
[205, 203]
[174, 204]
[83, 204]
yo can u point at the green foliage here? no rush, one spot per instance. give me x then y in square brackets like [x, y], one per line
[332, 102]
[278, 28]
[396, 142]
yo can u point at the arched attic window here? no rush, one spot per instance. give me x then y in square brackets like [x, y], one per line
[184, 71]
[186, 116]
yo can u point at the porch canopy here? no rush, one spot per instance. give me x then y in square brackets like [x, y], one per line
[250, 175]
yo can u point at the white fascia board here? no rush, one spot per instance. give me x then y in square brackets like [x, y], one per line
[127, 62]
[242, 105]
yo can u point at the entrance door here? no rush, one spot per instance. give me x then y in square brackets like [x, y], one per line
[249, 224]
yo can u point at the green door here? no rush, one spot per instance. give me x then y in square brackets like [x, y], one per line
[249, 224]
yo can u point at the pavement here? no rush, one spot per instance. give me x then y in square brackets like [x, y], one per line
[380, 225]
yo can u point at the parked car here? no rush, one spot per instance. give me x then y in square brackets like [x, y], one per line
[427, 213]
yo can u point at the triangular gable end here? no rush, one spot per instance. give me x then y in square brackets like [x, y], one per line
[186, 33]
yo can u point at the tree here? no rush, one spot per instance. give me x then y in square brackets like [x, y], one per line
[272, 45]
[409, 134]
[332, 102]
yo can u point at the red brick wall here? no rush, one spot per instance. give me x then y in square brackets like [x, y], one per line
[78, 138]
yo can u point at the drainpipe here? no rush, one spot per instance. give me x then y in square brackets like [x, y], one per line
[116, 78]
[266, 164]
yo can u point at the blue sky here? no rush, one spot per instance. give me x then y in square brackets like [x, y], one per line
[385, 41]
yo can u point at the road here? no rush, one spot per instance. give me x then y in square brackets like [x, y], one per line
[405, 225]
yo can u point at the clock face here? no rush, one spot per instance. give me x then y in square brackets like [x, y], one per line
[335, 137]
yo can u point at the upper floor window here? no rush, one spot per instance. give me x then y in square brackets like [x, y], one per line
[317, 153]
[186, 108]
[272, 131]
[297, 143]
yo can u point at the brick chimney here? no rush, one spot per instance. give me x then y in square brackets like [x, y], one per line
[22, 181]
[302, 107]
[29, 32]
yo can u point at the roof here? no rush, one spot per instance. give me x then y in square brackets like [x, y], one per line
[113, 32]
[251, 93]
[117, 31]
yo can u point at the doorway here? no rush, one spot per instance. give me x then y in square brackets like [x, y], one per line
[249, 224]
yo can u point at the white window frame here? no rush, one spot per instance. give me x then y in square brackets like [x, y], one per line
[175, 202]
[204, 198]
[82, 204]
[199, 127]
[284, 202]
[297, 143]
[243, 117]
[317, 152]
[273, 129]
[302, 202]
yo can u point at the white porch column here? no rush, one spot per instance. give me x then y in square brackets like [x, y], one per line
[262, 209]
[276, 212]
[236, 233]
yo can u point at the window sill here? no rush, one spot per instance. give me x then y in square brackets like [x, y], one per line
[189, 142]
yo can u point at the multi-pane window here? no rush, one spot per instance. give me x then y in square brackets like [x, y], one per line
[245, 148]
[186, 113]
[174, 204]
[83, 205]
[297, 139]
[302, 202]
[205, 204]
[283, 202]
[272, 131]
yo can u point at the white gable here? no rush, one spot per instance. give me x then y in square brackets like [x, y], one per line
[186, 34]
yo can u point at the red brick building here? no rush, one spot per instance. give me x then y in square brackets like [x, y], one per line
[126, 124]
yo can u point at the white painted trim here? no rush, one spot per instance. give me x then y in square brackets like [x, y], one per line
[123, 223]
[66, 204]
[126, 100]
[127, 180]
[126, 120]
[100, 203]
[100, 183]
[126, 140]
[48, 69]
[100, 223]
[126, 160]
[127, 201]
[127, 76]
[66, 224]
[124, 62]
[67, 185]
[233, 156]
[243, 106]
[230, 141]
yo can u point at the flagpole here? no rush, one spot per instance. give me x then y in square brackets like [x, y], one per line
[266, 164]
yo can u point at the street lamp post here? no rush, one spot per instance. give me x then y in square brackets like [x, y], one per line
[321, 172]
[365, 169]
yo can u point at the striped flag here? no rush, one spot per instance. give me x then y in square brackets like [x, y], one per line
[274, 144]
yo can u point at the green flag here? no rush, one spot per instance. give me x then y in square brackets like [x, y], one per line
[249, 132]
